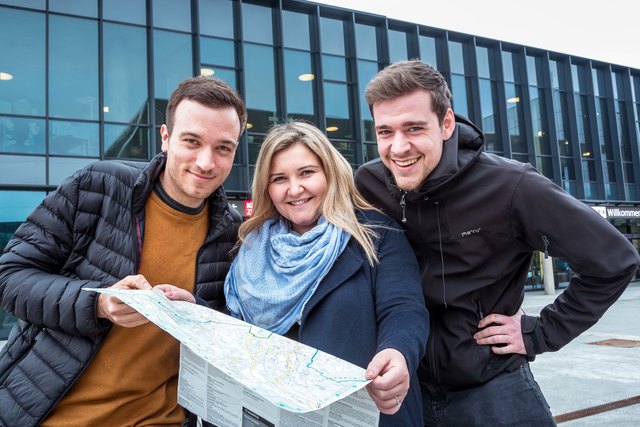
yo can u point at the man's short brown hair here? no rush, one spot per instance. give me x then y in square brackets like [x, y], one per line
[210, 92]
[404, 77]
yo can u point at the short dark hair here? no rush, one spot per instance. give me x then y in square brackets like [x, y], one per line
[404, 77]
[208, 91]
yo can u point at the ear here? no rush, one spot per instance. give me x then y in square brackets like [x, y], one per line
[164, 136]
[448, 124]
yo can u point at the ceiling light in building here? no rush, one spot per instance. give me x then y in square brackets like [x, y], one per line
[306, 77]
[5, 76]
[249, 125]
[207, 72]
[332, 128]
[513, 100]
[105, 109]
[586, 154]
[566, 143]
[540, 133]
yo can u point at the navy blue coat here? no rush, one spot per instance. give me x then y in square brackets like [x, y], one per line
[359, 310]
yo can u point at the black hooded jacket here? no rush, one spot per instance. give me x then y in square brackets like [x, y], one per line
[474, 226]
[88, 233]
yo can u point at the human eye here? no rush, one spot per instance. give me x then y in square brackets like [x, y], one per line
[190, 141]
[307, 172]
[383, 132]
[277, 179]
[415, 129]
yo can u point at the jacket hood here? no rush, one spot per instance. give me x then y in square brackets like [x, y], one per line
[458, 153]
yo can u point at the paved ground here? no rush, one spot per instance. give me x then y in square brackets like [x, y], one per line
[582, 375]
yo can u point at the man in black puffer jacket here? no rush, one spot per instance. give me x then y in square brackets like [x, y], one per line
[474, 221]
[82, 358]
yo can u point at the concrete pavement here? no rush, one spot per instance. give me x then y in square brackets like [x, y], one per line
[582, 375]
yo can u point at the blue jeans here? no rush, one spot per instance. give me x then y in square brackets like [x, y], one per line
[510, 399]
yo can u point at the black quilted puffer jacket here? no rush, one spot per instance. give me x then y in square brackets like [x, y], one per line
[88, 233]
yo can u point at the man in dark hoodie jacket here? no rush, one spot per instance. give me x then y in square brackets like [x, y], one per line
[474, 220]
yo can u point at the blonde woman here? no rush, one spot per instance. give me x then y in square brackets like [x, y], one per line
[320, 265]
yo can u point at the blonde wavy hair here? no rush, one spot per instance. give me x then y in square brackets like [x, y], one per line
[341, 199]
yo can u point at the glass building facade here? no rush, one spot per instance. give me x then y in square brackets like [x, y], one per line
[83, 80]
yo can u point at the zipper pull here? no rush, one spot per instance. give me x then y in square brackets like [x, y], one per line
[545, 241]
[403, 205]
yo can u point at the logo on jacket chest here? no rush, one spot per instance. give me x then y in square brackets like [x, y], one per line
[471, 232]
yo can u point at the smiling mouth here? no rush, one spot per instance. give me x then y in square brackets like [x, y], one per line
[300, 202]
[405, 162]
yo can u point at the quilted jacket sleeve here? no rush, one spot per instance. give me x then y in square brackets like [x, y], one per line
[33, 284]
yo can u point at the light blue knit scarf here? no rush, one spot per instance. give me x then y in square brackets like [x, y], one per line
[277, 271]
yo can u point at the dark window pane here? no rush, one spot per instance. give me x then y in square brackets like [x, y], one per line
[254, 143]
[257, 23]
[493, 142]
[366, 71]
[507, 66]
[332, 36]
[567, 169]
[22, 37]
[62, 167]
[22, 170]
[125, 73]
[370, 152]
[347, 149]
[169, 74]
[19, 135]
[398, 46]
[297, 67]
[336, 100]
[428, 51]
[259, 78]
[132, 11]
[74, 139]
[532, 73]
[172, 14]
[295, 30]
[73, 68]
[126, 142]
[366, 42]
[216, 18]
[539, 122]
[545, 166]
[482, 57]
[514, 118]
[236, 181]
[217, 51]
[459, 92]
[75, 7]
[456, 58]
[334, 68]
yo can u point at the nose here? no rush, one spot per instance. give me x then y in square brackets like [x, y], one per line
[205, 160]
[295, 188]
[400, 143]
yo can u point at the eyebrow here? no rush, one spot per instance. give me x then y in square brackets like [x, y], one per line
[197, 136]
[405, 124]
[310, 166]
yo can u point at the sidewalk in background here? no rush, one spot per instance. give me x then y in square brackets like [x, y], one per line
[582, 375]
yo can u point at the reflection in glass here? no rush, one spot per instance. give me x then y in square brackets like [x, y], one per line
[398, 46]
[507, 66]
[257, 23]
[366, 42]
[73, 68]
[216, 18]
[131, 11]
[22, 170]
[366, 71]
[538, 122]
[63, 167]
[18, 135]
[295, 30]
[33, 4]
[225, 74]
[169, 74]
[482, 58]
[217, 51]
[260, 79]
[125, 73]
[236, 180]
[336, 100]
[75, 7]
[428, 50]
[334, 68]
[74, 138]
[370, 152]
[332, 36]
[172, 14]
[300, 102]
[456, 58]
[567, 169]
[488, 96]
[126, 142]
[254, 143]
[514, 118]
[22, 43]
[459, 92]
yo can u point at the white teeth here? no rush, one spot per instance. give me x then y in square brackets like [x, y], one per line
[406, 162]
[299, 202]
